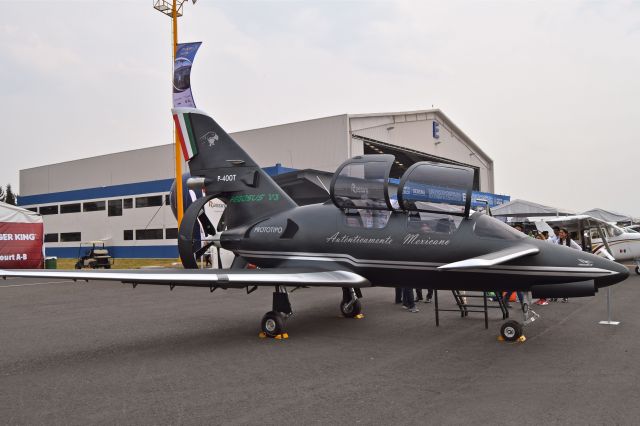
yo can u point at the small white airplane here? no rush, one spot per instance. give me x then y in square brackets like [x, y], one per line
[632, 229]
[623, 244]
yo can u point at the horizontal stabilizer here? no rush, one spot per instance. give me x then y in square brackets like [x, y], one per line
[223, 278]
[492, 259]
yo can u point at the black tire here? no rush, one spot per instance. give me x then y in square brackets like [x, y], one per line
[272, 323]
[511, 331]
[78, 265]
[351, 311]
[638, 270]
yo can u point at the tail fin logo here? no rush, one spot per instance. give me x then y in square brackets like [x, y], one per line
[210, 138]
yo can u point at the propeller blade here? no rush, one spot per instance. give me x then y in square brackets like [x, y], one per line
[207, 226]
[202, 250]
[221, 223]
[219, 258]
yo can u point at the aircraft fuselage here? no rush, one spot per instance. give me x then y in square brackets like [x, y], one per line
[386, 247]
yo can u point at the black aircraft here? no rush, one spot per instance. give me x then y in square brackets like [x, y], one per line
[416, 232]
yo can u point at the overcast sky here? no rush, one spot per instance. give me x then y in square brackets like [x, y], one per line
[549, 90]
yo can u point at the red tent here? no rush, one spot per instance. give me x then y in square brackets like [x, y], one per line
[21, 238]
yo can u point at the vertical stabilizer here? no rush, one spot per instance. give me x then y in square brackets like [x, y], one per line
[227, 170]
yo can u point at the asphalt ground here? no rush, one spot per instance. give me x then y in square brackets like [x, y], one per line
[104, 353]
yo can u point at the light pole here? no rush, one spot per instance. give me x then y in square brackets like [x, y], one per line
[173, 9]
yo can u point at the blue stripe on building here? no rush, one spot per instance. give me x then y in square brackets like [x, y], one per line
[128, 189]
[126, 252]
[163, 185]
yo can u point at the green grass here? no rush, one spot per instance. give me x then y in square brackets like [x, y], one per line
[127, 263]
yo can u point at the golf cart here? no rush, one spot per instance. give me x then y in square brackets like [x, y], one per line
[93, 255]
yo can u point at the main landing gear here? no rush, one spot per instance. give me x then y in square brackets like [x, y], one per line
[350, 305]
[274, 322]
[637, 266]
[511, 330]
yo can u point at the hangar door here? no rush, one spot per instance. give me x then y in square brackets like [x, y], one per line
[405, 157]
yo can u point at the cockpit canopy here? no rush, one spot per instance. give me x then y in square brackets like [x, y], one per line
[436, 188]
[363, 183]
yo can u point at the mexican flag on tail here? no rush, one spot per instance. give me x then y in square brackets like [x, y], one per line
[183, 97]
[185, 134]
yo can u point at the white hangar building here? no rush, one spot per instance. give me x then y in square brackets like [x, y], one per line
[113, 199]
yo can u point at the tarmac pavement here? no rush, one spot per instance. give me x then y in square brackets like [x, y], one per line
[104, 353]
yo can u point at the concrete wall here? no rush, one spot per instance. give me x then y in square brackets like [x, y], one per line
[320, 144]
[140, 165]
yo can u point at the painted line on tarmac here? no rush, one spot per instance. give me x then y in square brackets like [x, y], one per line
[30, 284]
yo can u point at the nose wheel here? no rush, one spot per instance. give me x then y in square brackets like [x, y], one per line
[511, 331]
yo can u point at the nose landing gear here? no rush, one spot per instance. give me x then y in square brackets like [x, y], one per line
[512, 331]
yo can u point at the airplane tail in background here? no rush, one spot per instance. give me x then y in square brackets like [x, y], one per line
[220, 166]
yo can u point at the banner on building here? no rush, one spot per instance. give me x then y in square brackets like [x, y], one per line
[185, 54]
[21, 238]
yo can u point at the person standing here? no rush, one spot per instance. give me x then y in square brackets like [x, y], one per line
[398, 295]
[408, 301]
[429, 295]
[542, 236]
[554, 237]
[418, 294]
[565, 240]
[507, 296]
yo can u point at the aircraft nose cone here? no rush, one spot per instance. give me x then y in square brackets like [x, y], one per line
[620, 274]
[624, 272]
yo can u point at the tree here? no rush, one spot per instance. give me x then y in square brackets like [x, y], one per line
[2, 195]
[10, 197]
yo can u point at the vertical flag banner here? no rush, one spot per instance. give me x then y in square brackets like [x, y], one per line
[185, 54]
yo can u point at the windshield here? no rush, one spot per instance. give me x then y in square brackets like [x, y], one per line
[361, 184]
[489, 227]
[614, 231]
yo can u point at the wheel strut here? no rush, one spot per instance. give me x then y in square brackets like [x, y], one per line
[273, 322]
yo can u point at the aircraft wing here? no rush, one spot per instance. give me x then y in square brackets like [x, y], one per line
[494, 258]
[223, 278]
[572, 220]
